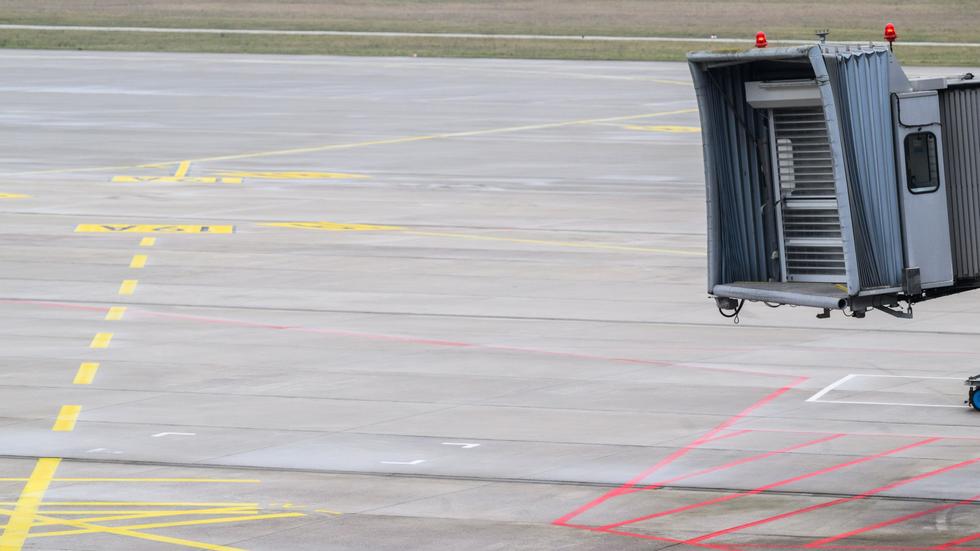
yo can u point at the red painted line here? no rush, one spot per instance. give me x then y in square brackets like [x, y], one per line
[679, 453]
[951, 544]
[864, 495]
[852, 547]
[772, 485]
[887, 434]
[727, 436]
[720, 547]
[738, 462]
[897, 520]
[401, 338]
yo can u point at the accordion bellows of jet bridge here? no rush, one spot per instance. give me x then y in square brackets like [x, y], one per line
[835, 181]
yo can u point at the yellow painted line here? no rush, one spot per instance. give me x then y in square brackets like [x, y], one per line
[139, 261]
[161, 480]
[101, 340]
[152, 228]
[108, 515]
[406, 139]
[154, 525]
[67, 418]
[25, 511]
[182, 169]
[142, 504]
[143, 513]
[115, 313]
[428, 137]
[85, 374]
[296, 175]
[148, 241]
[331, 226]
[573, 244]
[327, 511]
[248, 518]
[14, 196]
[334, 226]
[174, 180]
[128, 532]
[400, 140]
[128, 286]
[665, 128]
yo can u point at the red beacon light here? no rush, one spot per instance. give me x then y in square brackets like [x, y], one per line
[760, 40]
[890, 35]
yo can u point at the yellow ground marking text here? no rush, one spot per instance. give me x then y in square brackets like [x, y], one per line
[390, 141]
[296, 175]
[115, 313]
[128, 286]
[139, 261]
[151, 228]
[66, 418]
[25, 510]
[148, 241]
[182, 169]
[174, 180]
[665, 128]
[101, 340]
[85, 374]
[333, 226]
[13, 196]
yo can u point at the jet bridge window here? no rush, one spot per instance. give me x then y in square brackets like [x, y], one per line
[921, 162]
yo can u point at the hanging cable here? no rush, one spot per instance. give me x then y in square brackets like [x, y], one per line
[734, 314]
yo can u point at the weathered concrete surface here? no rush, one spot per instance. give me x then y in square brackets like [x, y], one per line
[517, 327]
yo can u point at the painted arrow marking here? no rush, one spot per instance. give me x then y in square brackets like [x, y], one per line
[416, 462]
[159, 434]
[464, 445]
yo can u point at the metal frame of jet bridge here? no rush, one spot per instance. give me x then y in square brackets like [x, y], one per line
[835, 181]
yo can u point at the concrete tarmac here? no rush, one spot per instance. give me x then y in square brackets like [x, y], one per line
[304, 303]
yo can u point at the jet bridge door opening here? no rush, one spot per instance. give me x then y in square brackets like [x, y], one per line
[811, 243]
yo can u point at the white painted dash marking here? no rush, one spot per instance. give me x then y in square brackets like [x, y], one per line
[416, 462]
[103, 450]
[830, 387]
[161, 434]
[464, 445]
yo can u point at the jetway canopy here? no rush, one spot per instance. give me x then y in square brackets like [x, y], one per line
[824, 167]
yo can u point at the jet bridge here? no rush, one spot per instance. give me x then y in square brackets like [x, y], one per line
[834, 181]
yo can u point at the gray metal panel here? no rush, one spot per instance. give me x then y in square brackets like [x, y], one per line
[960, 109]
[862, 86]
[817, 295]
[918, 109]
[782, 94]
